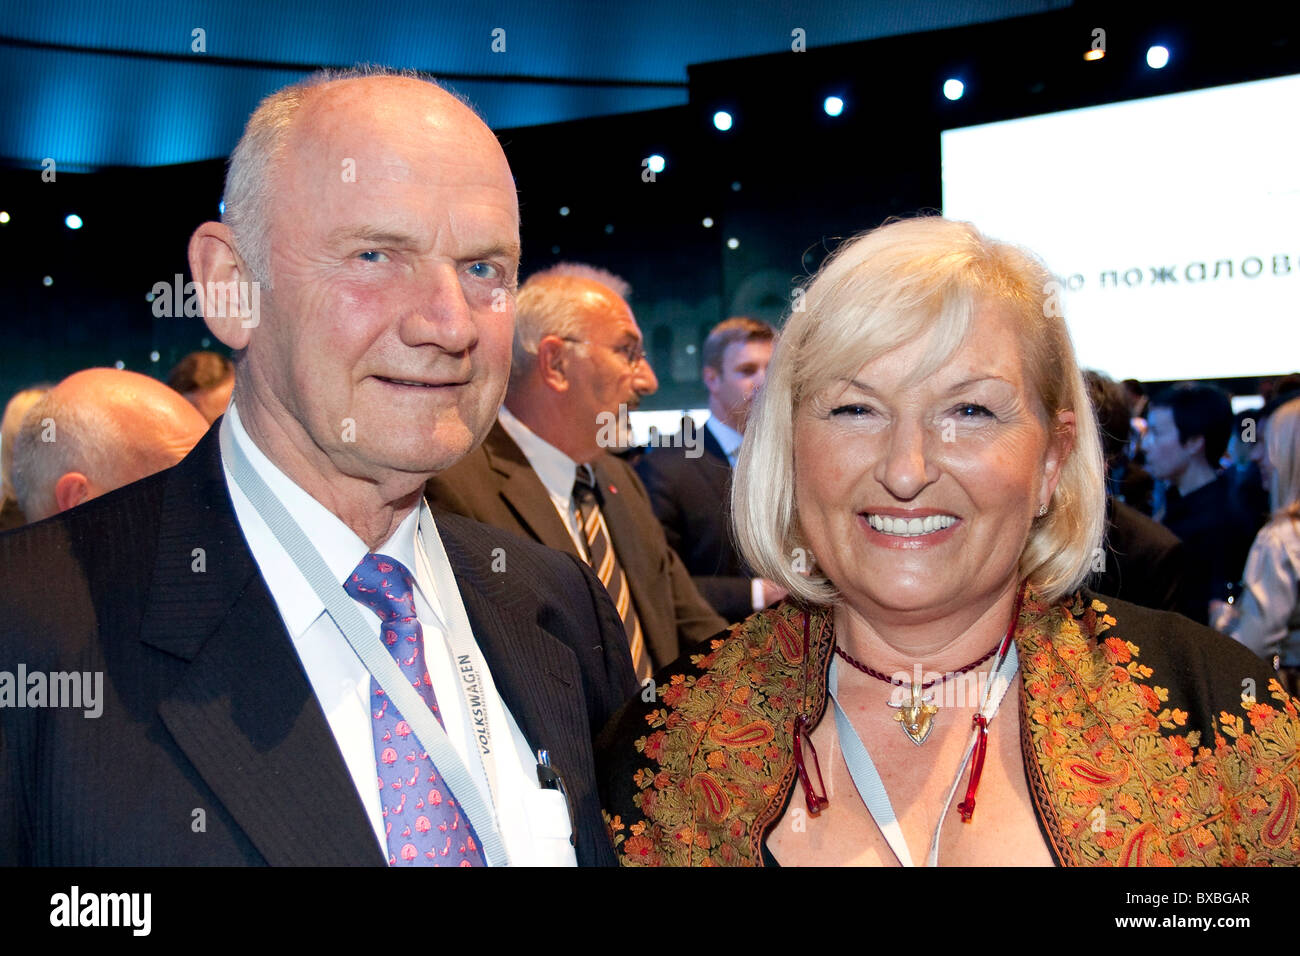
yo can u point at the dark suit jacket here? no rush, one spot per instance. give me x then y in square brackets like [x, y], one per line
[691, 498]
[212, 748]
[495, 484]
[1144, 562]
[1216, 535]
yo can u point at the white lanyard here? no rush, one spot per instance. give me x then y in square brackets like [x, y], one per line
[867, 779]
[346, 614]
[467, 664]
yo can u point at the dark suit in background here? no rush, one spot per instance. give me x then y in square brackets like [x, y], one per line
[1217, 536]
[212, 747]
[691, 498]
[495, 484]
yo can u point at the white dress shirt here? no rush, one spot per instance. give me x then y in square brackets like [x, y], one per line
[730, 440]
[533, 822]
[727, 437]
[556, 470]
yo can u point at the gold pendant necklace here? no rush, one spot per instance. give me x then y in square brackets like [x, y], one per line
[916, 714]
[916, 711]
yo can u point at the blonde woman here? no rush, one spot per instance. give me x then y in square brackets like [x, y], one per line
[922, 473]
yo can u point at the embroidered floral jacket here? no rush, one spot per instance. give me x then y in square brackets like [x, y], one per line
[1179, 735]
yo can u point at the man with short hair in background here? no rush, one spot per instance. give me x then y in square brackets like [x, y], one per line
[95, 431]
[690, 487]
[1187, 432]
[578, 364]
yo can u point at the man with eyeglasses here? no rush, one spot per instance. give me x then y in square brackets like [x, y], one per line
[542, 471]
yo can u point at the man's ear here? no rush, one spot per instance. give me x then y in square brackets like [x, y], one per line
[231, 299]
[1195, 447]
[552, 363]
[711, 378]
[71, 490]
[1060, 446]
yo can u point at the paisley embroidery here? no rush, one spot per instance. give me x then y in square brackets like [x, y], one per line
[1116, 778]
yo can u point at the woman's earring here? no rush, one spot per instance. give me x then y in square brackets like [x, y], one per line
[1042, 510]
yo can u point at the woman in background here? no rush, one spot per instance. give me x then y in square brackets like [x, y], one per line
[1268, 619]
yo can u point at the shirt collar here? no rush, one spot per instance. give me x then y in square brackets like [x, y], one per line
[727, 437]
[556, 469]
[338, 544]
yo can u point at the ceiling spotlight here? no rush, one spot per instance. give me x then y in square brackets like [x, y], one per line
[722, 120]
[833, 106]
[4, 217]
[1094, 55]
[154, 356]
[221, 207]
[564, 210]
[733, 243]
[47, 281]
[1157, 57]
[119, 365]
[708, 222]
[953, 89]
[656, 163]
[72, 221]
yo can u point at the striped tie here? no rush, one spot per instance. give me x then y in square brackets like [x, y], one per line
[600, 554]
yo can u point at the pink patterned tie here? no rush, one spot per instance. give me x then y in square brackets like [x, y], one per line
[422, 820]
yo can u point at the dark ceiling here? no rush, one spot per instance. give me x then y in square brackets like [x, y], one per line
[143, 83]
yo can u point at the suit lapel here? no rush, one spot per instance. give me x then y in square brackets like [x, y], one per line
[713, 448]
[717, 468]
[535, 673]
[524, 492]
[244, 713]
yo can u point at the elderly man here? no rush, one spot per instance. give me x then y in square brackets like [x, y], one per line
[691, 491]
[95, 431]
[543, 473]
[11, 516]
[301, 666]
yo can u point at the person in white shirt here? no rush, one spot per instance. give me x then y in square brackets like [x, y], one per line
[545, 471]
[287, 596]
[687, 484]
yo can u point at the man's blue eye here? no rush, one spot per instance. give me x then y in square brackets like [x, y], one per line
[483, 270]
[973, 411]
[371, 255]
[854, 410]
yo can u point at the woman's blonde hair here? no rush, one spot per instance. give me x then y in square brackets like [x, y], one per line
[884, 289]
[1284, 456]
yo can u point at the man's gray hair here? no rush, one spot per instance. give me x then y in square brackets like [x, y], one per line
[57, 437]
[250, 175]
[546, 307]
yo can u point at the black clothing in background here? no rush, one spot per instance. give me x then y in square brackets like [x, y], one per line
[1144, 562]
[1217, 536]
[691, 497]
